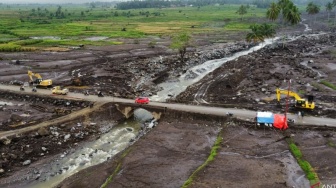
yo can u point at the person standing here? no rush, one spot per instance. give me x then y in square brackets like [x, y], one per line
[302, 114]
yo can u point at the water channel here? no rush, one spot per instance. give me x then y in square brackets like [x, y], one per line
[196, 73]
[92, 153]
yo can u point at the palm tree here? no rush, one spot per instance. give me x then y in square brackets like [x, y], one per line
[282, 4]
[260, 32]
[267, 30]
[312, 9]
[329, 6]
[256, 35]
[273, 11]
[292, 14]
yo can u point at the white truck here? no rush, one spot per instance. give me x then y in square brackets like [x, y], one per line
[59, 91]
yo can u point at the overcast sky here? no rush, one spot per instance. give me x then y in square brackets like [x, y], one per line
[50, 1]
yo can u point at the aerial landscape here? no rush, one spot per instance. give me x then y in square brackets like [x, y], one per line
[216, 93]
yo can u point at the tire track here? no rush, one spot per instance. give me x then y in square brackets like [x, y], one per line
[199, 96]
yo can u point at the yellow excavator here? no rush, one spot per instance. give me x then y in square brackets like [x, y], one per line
[299, 102]
[39, 81]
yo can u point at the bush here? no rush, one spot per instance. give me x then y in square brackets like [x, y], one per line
[295, 150]
[14, 48]
[328, 84]
[28, 42]
[305, 166]
[152, 44]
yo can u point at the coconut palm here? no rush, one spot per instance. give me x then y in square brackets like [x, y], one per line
[312, 9]
[256, 35]
[291, 14]
[329, 6]
[283, 3]
[273, 11]
[267, 30]
[260, 32]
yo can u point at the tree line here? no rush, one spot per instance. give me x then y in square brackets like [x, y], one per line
[196, 3]
[136, 4]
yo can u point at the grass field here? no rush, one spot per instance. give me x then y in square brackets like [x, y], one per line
[78, 22]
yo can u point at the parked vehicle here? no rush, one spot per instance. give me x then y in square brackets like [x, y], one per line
[142, 100]
[59, 91]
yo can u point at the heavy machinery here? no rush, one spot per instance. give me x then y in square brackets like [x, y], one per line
[59, 91]
[39, 81]
[299, 102]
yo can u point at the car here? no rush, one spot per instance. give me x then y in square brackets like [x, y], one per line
[142, 100]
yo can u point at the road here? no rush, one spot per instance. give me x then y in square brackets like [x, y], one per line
[239, 113]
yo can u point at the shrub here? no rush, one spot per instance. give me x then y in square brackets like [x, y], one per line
[305, 166]
[328, 84]
[152, 44]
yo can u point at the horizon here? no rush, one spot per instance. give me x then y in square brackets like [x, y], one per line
[52, 1]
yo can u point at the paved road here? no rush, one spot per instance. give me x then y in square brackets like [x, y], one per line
[240, 113]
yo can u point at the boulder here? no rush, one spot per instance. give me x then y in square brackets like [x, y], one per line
[27, 162]
[43, 131]
[6, 141]
[16, 118]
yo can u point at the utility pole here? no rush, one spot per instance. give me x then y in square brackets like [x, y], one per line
[289, 84]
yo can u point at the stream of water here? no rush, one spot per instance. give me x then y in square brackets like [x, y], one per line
[92, 153]
[2, 103]
[196, 73]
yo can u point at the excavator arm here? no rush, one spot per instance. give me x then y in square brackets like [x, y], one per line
[39, 80]
[31, 74]
[287, 92]
[38, 76]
